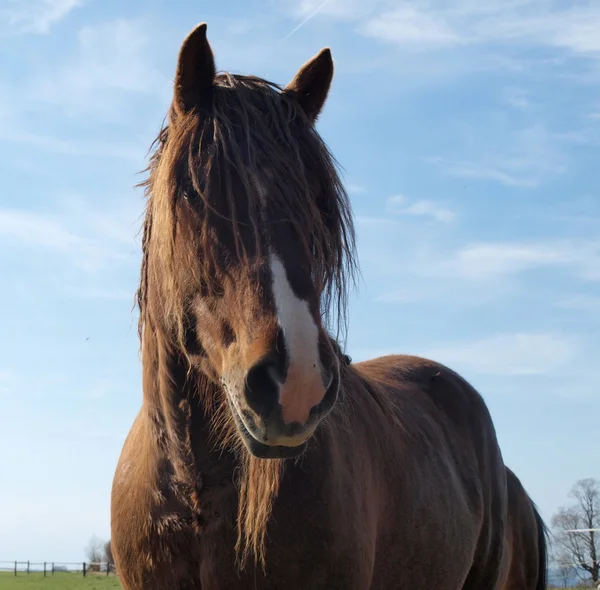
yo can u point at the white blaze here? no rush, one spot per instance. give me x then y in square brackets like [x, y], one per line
[301, 337]
[299, 328]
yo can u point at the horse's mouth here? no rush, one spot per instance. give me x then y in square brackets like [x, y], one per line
[262, 450]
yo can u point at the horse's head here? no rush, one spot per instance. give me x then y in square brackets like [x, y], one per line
[248, 242]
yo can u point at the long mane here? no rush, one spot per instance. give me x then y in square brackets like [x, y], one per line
[210, 156]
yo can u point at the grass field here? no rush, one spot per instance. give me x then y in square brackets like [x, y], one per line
[59, 581]
[71, 581]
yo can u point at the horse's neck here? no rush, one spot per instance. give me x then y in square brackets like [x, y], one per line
[174, 401]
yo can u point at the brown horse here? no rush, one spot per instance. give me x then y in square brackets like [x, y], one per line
[261, 457]
[526, 539]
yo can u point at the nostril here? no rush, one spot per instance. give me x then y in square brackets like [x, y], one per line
[262, 387]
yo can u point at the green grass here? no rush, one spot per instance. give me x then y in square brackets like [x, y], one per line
[59, 581]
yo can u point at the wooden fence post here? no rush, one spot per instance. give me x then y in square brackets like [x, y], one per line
[44, 569]
[27, 566]
[15, 568]
[84, 569]
[52, 568]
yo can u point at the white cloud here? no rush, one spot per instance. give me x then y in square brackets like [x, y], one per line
[89, 239]
[112, 60]
[342, 9]
[34, 230]
[438, 24]
[489, 171]
[104, 149]
[35, 16]
[510, 354]
[524, 158]
[418, 284]
[409, 25]
[420, 208]
[486, 261]
[505, 354]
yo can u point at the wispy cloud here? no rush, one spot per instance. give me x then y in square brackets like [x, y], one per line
[411, 26]
[81, 235]
[524, 158]
[422, 284]
[74, 147]
[486, 261]
[319, 8]
[504, 354]
[35, 230]
[421, 208]
[477, 273]
[345, 9]
[111, 62]
[436, 24]
[489, 171]
[34, 16]
[511, 354]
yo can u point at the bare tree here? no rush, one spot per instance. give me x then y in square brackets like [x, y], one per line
[565, 570]
[108, 556]
[95, 550]
[580, 548]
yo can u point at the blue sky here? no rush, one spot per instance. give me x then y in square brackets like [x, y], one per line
[468, 132]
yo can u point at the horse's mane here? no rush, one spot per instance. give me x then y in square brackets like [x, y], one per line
[209, 156]
[212, 154]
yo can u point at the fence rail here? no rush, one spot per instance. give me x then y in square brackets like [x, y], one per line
[49, 568]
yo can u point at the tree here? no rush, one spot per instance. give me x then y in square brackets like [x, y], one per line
[94, 550]
[580, 548]
[565, 570]
[108, 556]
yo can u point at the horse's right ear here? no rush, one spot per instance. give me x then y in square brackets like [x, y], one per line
[195, 73]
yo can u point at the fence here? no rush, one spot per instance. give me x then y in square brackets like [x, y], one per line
[49, 568]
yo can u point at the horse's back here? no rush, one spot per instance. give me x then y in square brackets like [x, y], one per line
[436, 405]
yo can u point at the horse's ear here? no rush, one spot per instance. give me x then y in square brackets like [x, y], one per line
[311, 84]
[195, 73]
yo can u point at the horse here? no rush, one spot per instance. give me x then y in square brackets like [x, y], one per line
[262, 457]
[526, 535]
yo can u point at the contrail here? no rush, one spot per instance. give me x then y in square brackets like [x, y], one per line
[309, 17]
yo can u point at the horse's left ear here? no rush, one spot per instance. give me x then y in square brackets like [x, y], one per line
[195, 72]
[311, 84]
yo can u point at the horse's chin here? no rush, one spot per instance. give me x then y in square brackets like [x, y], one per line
[261, 450]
